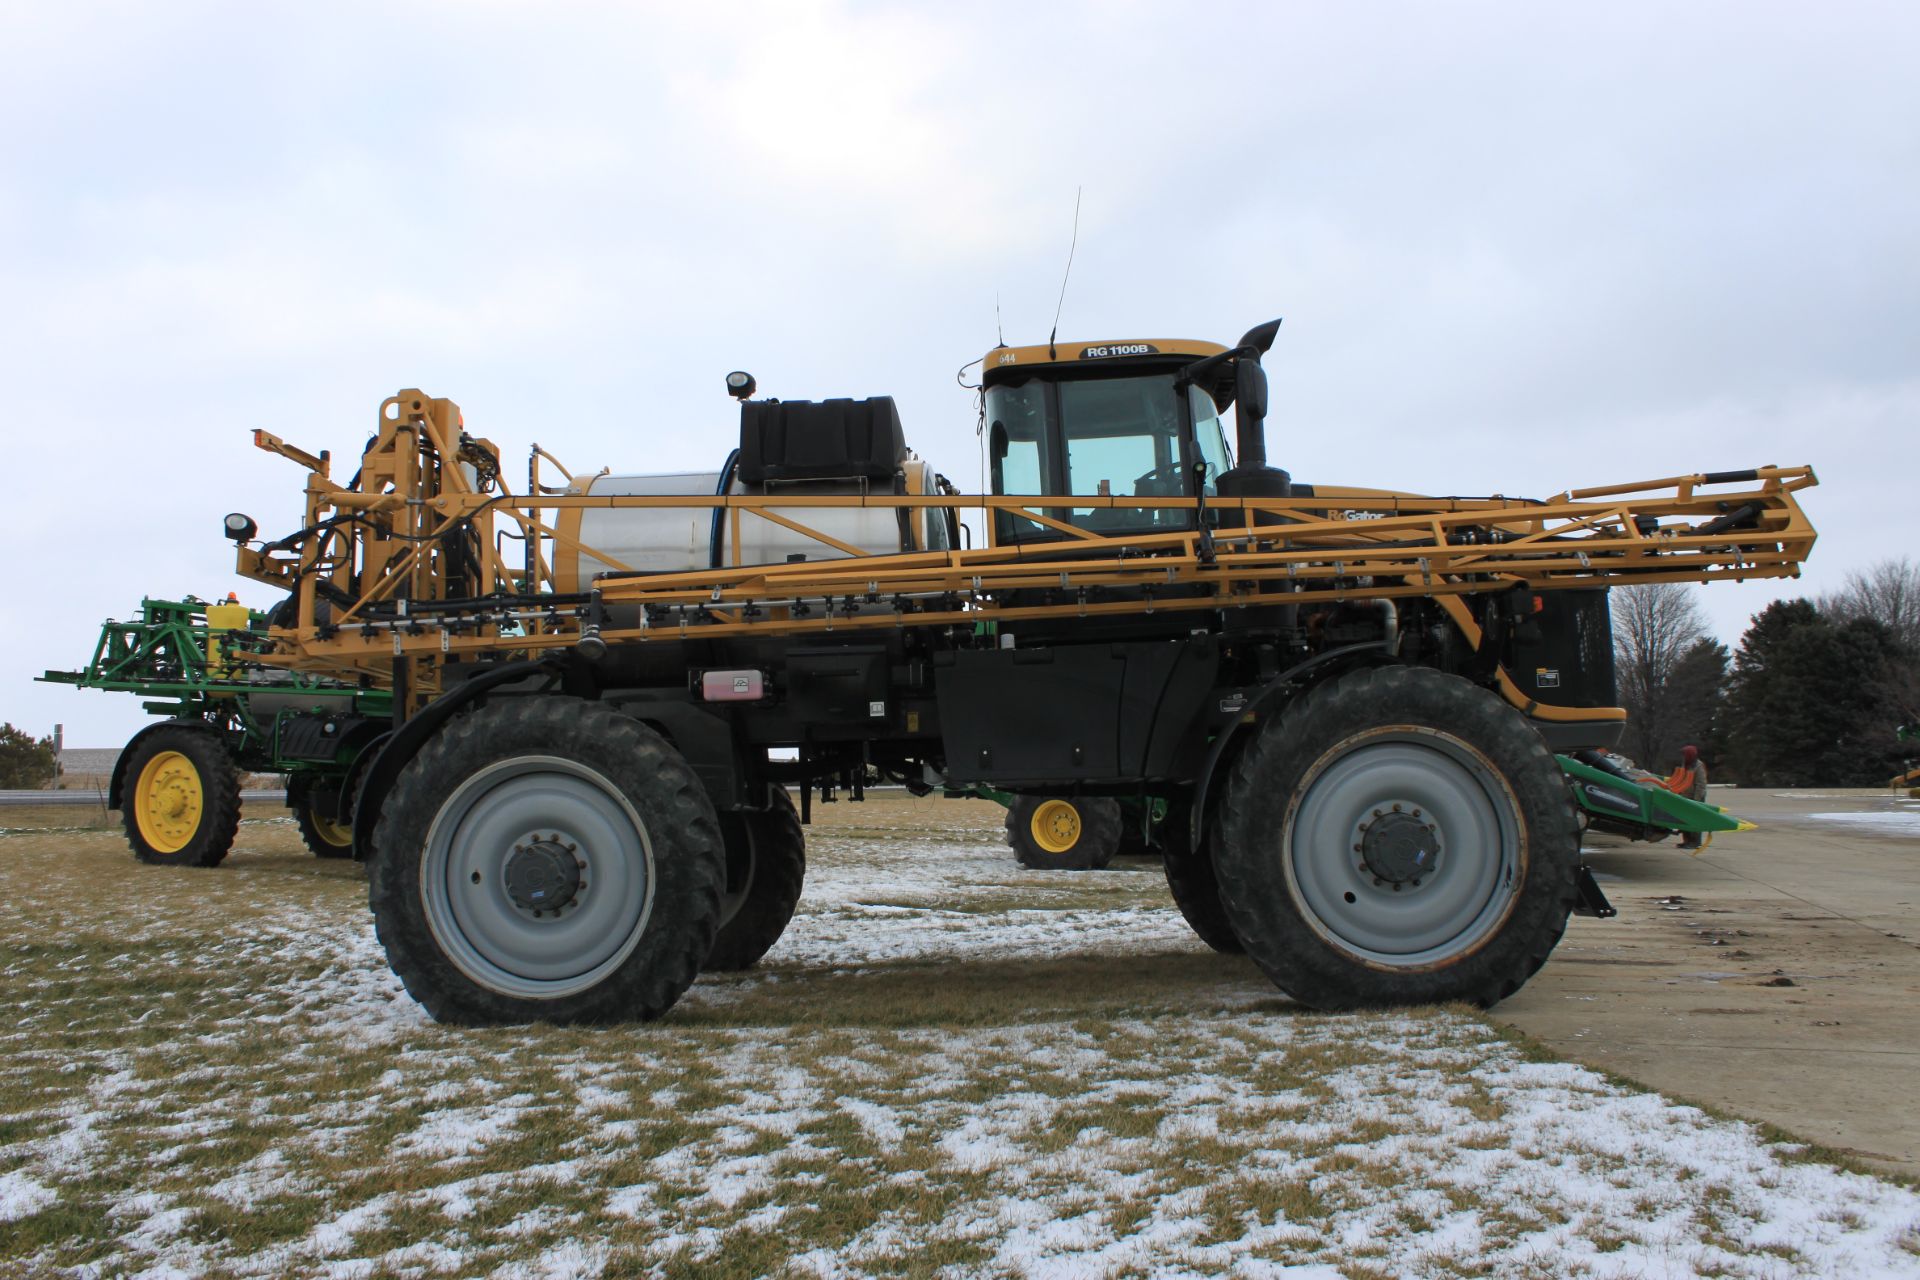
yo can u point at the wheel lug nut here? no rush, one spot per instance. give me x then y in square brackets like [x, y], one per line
[1396, 808]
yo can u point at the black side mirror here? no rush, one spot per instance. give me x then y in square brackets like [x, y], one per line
[1261, 336]
[1250, 389]
[997, 442]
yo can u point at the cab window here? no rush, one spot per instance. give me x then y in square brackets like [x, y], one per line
[1211, 435]
[1022, 457]
[1123, 441]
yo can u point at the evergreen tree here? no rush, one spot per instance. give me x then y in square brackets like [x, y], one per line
[1803, 707]
[1693, 695]
[25, 761]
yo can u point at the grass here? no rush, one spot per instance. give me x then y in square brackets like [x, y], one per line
[212, 1071]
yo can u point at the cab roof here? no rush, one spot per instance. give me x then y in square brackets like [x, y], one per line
[1076, 353]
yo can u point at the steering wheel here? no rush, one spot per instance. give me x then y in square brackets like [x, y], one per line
[1161, 482]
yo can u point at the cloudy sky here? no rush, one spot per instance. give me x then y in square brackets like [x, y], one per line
[1517, 247]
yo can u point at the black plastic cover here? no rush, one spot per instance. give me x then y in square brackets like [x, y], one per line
[1565, 657]
[820, 440]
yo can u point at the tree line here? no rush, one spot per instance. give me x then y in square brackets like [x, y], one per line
[1821, 692]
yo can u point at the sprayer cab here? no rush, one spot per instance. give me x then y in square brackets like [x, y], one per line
[1136, 423]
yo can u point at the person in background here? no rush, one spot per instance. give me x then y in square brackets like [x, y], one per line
[1689, 779]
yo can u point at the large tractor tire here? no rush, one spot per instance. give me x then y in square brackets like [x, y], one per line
[325, 837]
[1396, 837]
[1195, 887]
[1196, 891]
[766, 864]
[181, 798]
[546, 859]
[1053, 833]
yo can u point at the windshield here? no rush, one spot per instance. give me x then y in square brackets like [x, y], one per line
[1117, 438]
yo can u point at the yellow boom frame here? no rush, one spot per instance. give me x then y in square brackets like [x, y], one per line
[424, 486]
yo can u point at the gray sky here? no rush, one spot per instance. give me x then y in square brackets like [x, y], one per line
[1518, 247]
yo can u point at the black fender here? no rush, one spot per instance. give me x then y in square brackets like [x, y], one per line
[707, 741]
[1281, 689]
[405, 742]
[117, 781]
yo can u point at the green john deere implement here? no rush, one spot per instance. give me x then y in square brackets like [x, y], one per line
[177, 782]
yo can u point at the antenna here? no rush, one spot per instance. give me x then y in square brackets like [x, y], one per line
[999, 326]
[1051, 353]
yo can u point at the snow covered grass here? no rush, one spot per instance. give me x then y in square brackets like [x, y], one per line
[947, 1067]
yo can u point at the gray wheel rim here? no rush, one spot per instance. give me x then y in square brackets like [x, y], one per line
[1476, 873]
[502, 945]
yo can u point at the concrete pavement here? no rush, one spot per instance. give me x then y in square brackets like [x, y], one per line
[1776, 976]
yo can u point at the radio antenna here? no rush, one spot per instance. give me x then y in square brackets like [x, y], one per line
[999, 326]
[1051, 353]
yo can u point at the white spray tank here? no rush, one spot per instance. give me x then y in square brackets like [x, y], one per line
[795, 448]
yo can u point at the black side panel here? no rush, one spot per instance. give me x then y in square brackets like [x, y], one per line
[837, 686]
[1032, 715]
[1148, 666]
[1563, 655]
[1073, 713]
[1178, 748]
[823, 440]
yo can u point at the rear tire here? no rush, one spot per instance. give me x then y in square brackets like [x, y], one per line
[755, 914]
[1053, 833]
[180, 801]
[1195, 887]
[546, 859]
[1397, 836]
[323, 836]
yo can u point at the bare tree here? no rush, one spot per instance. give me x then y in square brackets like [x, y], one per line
[1887, 592]
[1653, 628]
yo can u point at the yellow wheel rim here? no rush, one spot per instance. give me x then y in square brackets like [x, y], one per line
[1055, 826]
[337, 834]
[167, 802]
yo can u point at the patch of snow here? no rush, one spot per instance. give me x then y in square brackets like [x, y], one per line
[463, 1131]
[1892, 822]
[22, 1197]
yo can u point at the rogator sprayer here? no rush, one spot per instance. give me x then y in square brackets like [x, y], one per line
[1338, 709]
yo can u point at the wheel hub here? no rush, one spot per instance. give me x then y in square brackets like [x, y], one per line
[544, 874]
[167, 800]
[1399, 847]
[1056, 826]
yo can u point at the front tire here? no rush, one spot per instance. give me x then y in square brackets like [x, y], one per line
[1397, 836]
[181, 803]
[1053, 833]
[546, 859]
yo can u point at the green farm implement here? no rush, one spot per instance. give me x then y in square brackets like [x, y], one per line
[177, 782]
